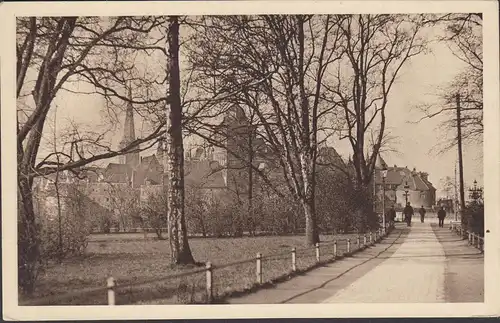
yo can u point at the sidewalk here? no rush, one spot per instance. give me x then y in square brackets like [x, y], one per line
[464, 271]
[423, 264]
[317, 285]
[413, 274]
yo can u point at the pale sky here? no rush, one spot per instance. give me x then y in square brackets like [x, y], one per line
[418, 80]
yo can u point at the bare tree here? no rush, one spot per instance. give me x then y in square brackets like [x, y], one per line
[53, 52]
[448, 185]
[124, 203]
[376, 47]
[463, 35]
[291, 55]
[179, 245]
[154, 209]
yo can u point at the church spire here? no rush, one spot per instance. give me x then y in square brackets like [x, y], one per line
[131, 159]
[129, 129]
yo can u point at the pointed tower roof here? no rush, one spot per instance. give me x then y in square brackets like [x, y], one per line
[129, 128]
[380, 163]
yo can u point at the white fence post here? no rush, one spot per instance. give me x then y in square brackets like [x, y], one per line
[357, 242]
[317, 252]
[259, 268]
[364, 240]
[111, 291]
[209, 282]
[348, 245]
[371, 238]
[294, 259]
[334, 249]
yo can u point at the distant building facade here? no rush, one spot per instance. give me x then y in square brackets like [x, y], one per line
[212, 169]
[403, 184]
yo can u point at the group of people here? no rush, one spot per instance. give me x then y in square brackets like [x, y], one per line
[408, 213]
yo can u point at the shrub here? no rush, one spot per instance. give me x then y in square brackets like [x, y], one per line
[278, 214]
[64, 233]
[153, 211]
[474, 217]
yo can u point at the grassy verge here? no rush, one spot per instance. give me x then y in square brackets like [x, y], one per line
[132, 261]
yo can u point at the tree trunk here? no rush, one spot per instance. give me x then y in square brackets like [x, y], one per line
[308, 202]
[312, 234]
[180, 250]
[364, 206]
[28, 241]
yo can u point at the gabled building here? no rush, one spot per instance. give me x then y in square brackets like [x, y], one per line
[403, 184]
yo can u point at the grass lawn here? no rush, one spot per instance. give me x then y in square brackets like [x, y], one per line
[132, 259]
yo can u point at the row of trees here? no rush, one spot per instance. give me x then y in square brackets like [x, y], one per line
[302, 79]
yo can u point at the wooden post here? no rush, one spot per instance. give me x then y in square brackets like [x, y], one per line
[259, 268]
[294, 259]
[334, 249]
[469, 239]
[364, 240]
[317, 252]
[478, 241]
[209, 282]
[348, 245]
[111, 291]
[357, 242]
[371, 238]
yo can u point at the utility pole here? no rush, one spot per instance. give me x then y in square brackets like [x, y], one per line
[460, 161]
[455, 196]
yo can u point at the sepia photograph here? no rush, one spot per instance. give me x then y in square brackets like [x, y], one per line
[323, 157]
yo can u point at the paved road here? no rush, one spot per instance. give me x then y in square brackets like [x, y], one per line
[411, 265]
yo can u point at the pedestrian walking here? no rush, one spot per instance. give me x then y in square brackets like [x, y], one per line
[422, 214]
[408, 213]
[441, 216]
[391, 215]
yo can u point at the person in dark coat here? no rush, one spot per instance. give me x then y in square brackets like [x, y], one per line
[441, 216]
[408, 213]
[422, 214]
[391, 215]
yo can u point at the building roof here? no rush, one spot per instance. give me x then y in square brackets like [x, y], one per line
[330, 156]
[401, 176]
[426, 181]
[118, 173]
[204, 174]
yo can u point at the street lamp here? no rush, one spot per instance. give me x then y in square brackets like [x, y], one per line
[475, 193]
[384, 175]
[380, 164]
[407, 189]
